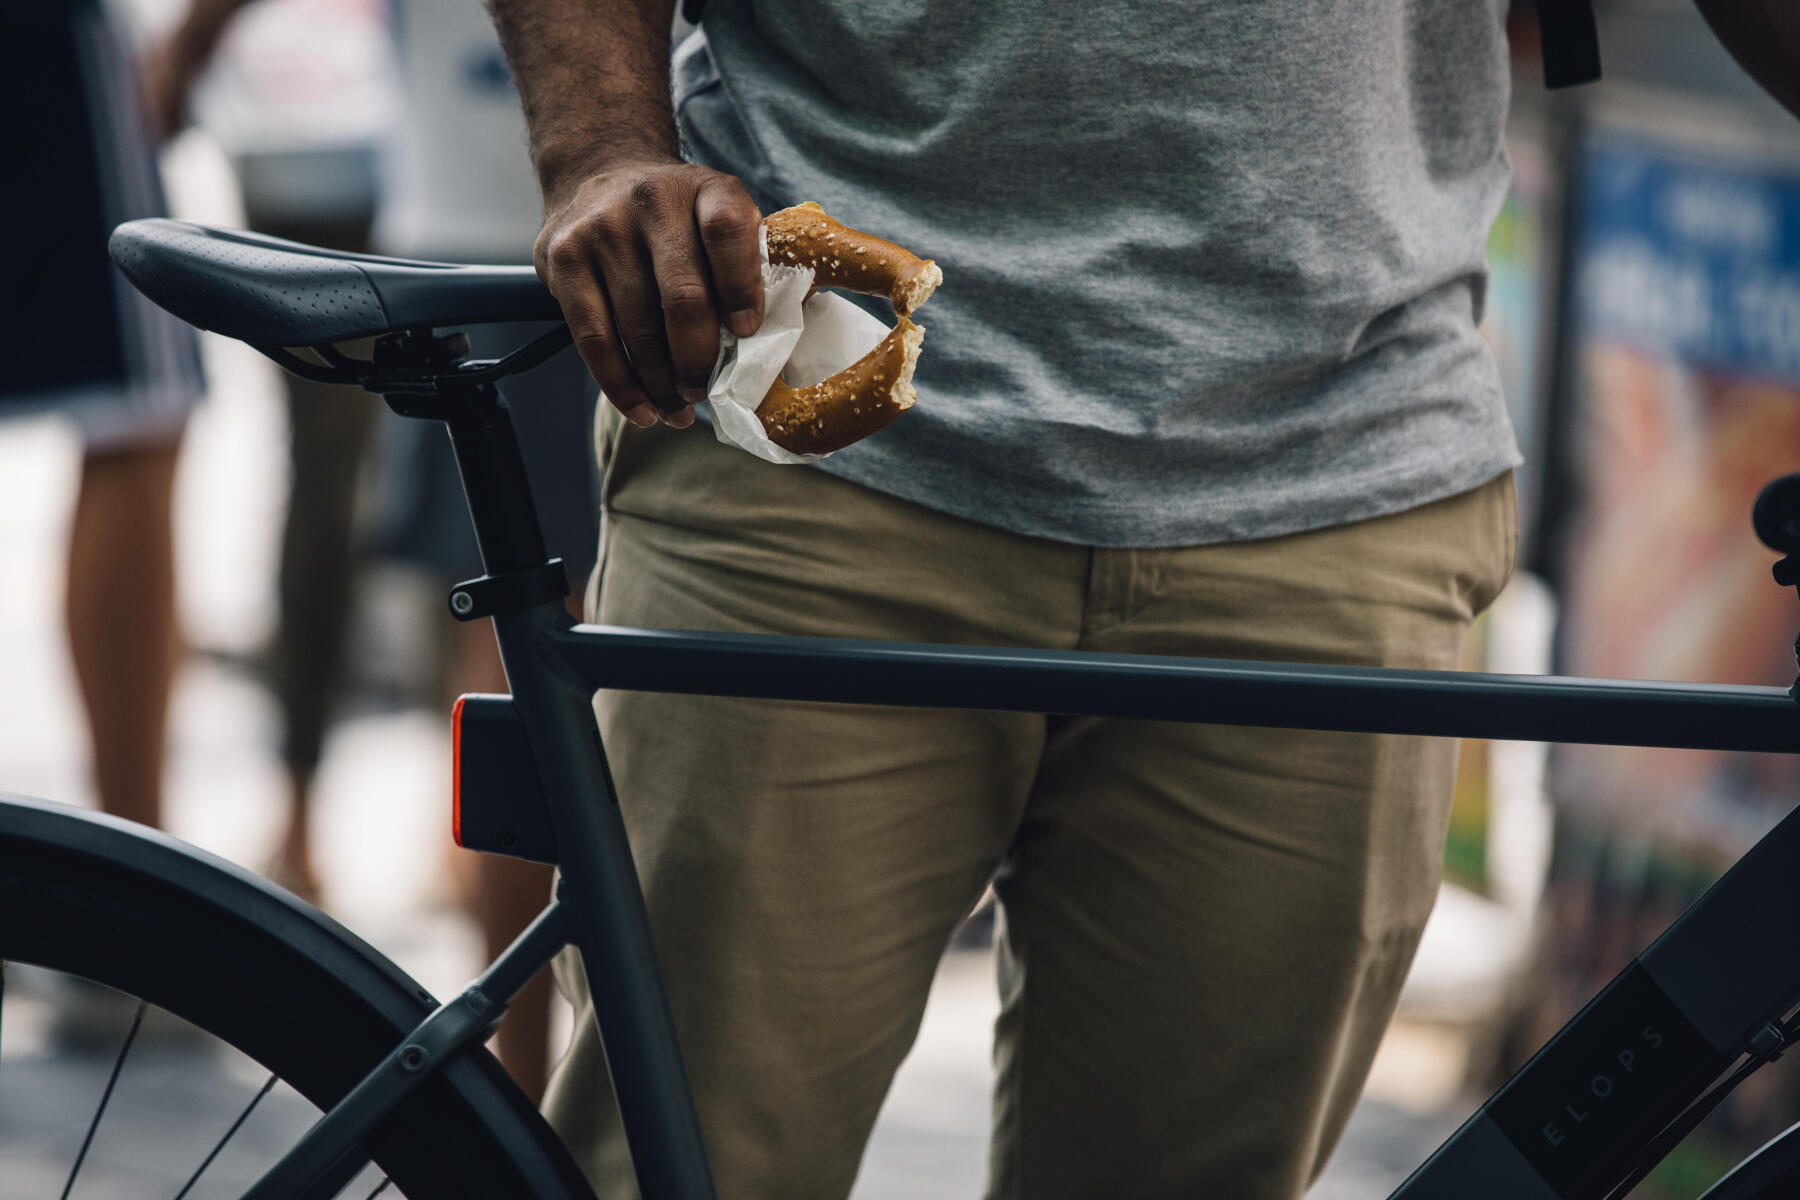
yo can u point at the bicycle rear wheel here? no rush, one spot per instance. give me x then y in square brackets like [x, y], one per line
[1772, 1173]
[226, 952]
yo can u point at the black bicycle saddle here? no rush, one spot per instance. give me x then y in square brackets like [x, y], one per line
[271, 292]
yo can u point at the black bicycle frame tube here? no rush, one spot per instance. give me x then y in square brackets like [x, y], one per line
[319, 1165]
[1575, 1119]
[1690, 1002]
[1542, 708]
[605, 915]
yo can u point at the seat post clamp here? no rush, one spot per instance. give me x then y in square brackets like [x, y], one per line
[474, 599]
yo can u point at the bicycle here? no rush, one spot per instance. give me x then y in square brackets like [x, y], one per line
[404, 1081]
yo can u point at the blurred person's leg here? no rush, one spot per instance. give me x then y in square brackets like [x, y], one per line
[90, 348]
[509, 893]
[502, 894]
[329, 428]
[122, 619]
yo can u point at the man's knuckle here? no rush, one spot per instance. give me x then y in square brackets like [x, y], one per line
[647, 194]
[594, 342]
[722, 223]
[566, 253]
[686, 300]
[643, 345]
[611, 228]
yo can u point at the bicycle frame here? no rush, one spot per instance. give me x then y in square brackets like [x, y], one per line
[1704, 993]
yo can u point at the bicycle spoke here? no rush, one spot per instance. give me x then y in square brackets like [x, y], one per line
[137, 1021]
[235, 1125]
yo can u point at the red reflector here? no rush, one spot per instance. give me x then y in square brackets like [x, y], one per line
[456, 714]
[497, 804]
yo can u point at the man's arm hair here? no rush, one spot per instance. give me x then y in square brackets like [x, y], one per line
[1764, 37]
[593, 76]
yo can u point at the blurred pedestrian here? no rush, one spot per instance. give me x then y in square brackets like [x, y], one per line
[82, 343]
[305, 96]
[459, 187]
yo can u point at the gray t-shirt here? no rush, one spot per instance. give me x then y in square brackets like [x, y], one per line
[1212, 270]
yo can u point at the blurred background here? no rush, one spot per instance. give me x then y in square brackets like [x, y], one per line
[1645, 308]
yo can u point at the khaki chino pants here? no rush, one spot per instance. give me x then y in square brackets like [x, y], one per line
[1203, 929]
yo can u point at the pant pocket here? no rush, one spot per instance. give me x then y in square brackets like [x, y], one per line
[1503, 547]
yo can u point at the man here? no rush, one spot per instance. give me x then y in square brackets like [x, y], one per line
[1203, 378]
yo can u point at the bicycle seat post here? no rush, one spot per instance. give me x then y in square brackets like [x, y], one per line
[487, 451]
[607, 918]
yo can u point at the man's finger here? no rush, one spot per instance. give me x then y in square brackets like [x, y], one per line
[730, 227]
[597, 341]
[690, 321]
[637, 314]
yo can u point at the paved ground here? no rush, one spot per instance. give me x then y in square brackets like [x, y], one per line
[174, 1101]
[381, 826]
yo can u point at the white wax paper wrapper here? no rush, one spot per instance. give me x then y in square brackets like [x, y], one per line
[801, 340]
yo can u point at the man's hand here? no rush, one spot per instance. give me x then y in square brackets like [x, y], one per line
[646, 254]
[647, 257]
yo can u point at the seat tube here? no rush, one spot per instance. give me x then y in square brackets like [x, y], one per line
[603, 900]
[608, 922]
[494, 480]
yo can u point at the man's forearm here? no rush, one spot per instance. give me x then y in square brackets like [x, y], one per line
[593, 76]
[1764, 37]
[204, 23]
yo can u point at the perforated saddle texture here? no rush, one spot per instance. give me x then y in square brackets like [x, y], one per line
[272, 292]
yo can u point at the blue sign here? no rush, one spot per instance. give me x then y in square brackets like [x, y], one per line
[1693, 258]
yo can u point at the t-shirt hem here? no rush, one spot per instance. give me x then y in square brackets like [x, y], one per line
[1162, 524]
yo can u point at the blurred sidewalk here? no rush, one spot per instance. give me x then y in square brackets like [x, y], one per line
[382, 807]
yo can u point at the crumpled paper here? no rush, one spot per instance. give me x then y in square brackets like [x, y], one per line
[801, 340]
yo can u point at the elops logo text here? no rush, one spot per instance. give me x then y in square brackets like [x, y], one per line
[1601, 1087]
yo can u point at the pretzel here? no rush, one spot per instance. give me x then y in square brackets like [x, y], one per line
[841, 257]
[850, 405]
[877, 387]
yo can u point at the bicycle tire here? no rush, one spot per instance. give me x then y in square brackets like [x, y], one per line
[222, 949]
[1772, 1173]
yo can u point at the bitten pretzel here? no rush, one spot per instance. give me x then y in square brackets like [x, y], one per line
[850, 405]
[841, 257]
[877, 387]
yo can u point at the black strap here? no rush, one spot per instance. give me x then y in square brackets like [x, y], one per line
[691, 10]
[1571, 44]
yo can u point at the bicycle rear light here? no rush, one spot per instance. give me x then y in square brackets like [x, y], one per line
[497, 802]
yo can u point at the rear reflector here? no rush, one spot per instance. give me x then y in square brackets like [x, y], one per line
[497, 802]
